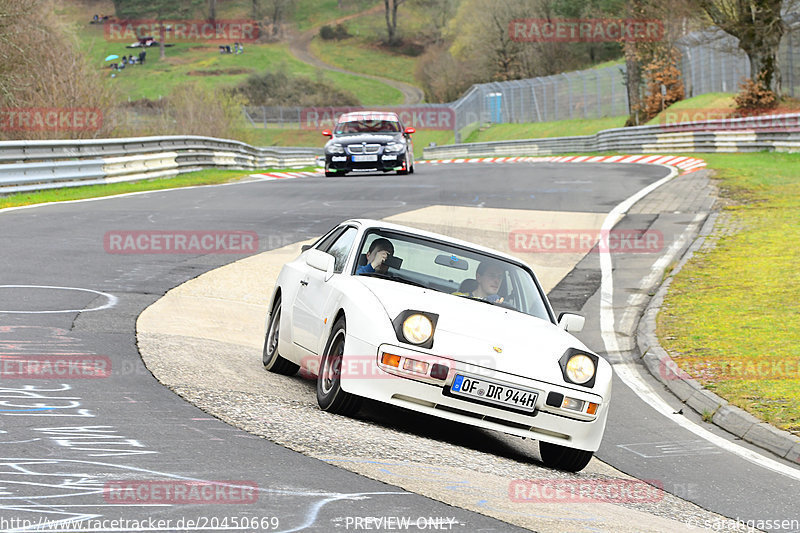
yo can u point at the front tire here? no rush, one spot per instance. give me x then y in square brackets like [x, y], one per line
[564, 458]
[330, 395]
[405, 169]
[270, 357]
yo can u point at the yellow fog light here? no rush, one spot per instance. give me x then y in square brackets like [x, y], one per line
[580, 368]
[417, 329]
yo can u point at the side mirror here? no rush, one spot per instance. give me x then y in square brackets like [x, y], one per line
[305, 247]
[327, 133]
[571, 322]
[321, 261]
[409, 130]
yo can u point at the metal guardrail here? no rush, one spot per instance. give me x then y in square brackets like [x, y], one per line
[780, 133]
[37, 165]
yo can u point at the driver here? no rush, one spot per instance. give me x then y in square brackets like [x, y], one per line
[489, 277]
[379, 252]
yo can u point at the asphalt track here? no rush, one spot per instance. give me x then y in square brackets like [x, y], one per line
[63, 441]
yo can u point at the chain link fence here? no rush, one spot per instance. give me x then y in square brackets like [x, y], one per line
[713, 62]
[583, 94]
[710, 62]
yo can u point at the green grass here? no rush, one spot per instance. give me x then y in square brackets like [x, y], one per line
[734, 307]
[359, 56]
[200, 177]
[704, 107]
[609, 63]
[202, 63]
[310, 13]
[535, 130]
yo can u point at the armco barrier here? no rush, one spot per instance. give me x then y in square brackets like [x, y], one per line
[36, 165]
[780, 133]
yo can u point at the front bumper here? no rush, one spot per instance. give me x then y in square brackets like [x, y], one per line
[388, 161]
[546, 423]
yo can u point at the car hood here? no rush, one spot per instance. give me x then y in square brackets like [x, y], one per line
[371, 138]
[482, 334]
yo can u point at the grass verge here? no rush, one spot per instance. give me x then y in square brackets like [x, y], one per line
[200, 177]
[536, 130]
[732, 314]
[202, 63]
[361, 56]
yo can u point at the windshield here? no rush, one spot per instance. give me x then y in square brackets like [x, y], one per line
[450, 269]
[368, 126]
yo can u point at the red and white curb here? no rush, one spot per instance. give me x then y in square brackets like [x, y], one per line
[686, 164]
[267, 176]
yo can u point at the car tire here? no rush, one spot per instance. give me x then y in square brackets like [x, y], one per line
[330, 395]
[564, 458]
[331, 173]
[270, 357]
[406, 170]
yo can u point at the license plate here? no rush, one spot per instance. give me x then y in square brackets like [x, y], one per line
[367, 157]
[489, 391]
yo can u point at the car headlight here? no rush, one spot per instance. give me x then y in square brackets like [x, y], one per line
[417, 328]
[580, 368]
[335, 149]
[395, 146]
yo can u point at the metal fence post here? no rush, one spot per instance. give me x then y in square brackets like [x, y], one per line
[598, 110]
[583, 79]
[790, 61]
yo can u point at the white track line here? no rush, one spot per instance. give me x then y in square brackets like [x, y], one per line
[629, 373]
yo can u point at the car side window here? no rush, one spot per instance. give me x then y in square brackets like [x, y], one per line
[340, 249]
[326, 242]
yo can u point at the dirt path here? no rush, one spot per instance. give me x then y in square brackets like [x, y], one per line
[298, 45]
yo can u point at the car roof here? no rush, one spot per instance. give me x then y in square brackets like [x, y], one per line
[367, 223]
[369, 115]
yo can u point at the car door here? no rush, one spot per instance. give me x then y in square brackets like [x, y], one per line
[308, 310]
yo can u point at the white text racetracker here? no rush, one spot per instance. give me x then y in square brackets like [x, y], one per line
[498, 393]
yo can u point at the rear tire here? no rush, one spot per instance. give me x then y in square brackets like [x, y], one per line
[563, 458]
[330, 395]
[270, 357]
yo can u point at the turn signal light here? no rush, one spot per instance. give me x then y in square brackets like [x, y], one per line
[592, 410]
[391, 360]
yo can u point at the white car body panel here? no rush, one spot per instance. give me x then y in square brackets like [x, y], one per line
[471, 337]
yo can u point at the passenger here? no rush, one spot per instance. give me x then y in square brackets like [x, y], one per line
[379, 251]
[487, 282]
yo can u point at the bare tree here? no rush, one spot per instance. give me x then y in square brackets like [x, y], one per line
[759, 27]
[275, 11]
[391, 18]
[438, 13]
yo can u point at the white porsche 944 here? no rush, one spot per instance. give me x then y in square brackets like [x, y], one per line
[440, 326]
